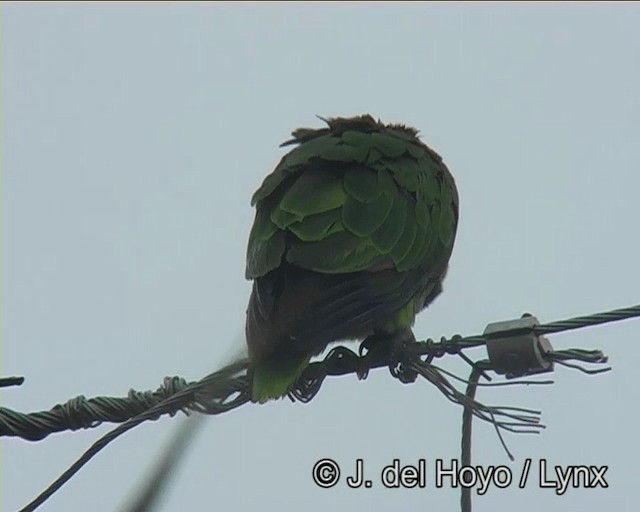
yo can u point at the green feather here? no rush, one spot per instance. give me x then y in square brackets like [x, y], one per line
[429, 189]
[436, 249]
[283, 218]
[263, 228]
[338, 253]
[362, 184]
[274, 377]
[431, 250]
[357, 139]
[264, 256]
[446, 227]
[266, 246]
[387, 235]
[410, 259]
[374, 156]
[269, 184]
[316, 227]
[406, 240]
[345, 153]
[313, 148]
[389, 146]
[423, 217]
[362, 219]
[314, 192]
[415, 151]
[406, 172]
[446, 193]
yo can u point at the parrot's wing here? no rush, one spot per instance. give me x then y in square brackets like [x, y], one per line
[358, 223]
[354, 201]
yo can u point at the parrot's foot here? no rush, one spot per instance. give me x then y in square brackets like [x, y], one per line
[398, 362]
[389, 347]
[373, 348]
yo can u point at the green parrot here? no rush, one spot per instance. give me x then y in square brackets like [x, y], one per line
[352, 238]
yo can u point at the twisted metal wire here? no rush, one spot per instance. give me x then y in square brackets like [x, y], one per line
[218, 392]
[81, 412]
[465, 449]
[578, 322]
[228, 389]
[11, 381]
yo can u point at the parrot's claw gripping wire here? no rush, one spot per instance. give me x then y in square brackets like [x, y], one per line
[401, 361]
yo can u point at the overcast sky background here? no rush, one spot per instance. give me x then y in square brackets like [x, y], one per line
[132, 139]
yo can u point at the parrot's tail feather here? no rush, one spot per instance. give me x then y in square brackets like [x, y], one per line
[274, 377]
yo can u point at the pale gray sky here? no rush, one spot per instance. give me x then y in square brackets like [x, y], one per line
[132, 139]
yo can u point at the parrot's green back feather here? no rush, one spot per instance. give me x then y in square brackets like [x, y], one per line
[352, 200]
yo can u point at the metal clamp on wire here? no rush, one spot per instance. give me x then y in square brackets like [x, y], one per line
[515, 350]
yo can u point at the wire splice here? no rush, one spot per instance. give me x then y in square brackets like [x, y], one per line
[516, 350]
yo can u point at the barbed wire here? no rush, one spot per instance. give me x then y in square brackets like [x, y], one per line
[228, 388]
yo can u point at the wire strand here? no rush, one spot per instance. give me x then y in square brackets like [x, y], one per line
[228, 389]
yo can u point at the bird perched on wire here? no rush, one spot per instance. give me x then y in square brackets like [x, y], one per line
[352, 238]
